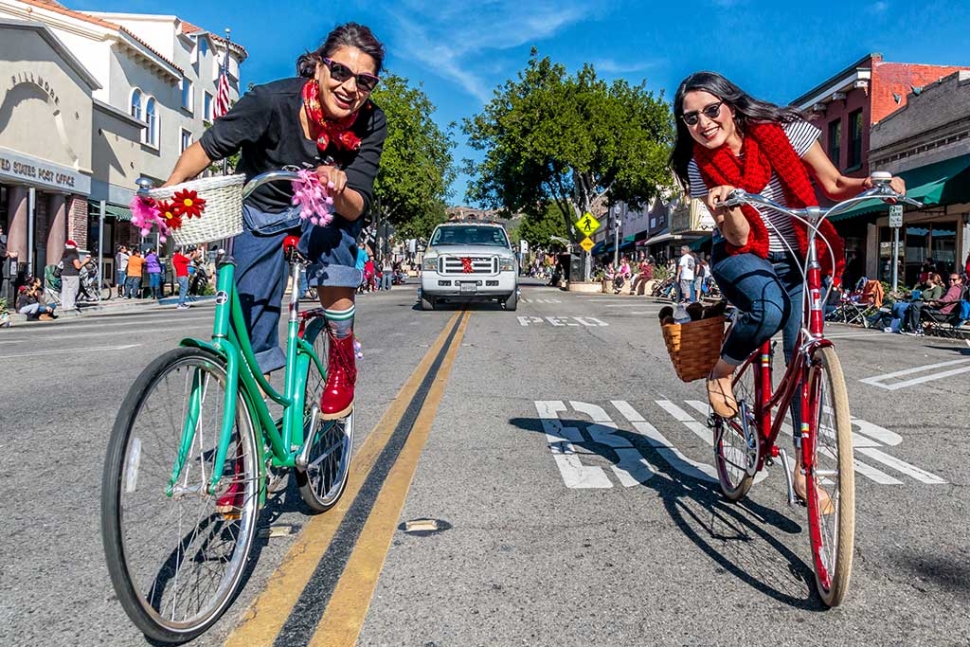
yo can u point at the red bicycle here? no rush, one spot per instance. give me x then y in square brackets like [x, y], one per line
[745, 443]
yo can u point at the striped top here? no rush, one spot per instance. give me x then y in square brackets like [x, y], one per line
[802, 135]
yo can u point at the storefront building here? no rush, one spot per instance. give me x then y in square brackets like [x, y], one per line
[927, 143]
[45, 145]
[847, 108]
[91, 104]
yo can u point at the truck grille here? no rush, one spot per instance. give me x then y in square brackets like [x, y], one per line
[478, 265]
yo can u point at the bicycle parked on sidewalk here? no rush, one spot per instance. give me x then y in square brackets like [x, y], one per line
[745, 443]
[192, 448]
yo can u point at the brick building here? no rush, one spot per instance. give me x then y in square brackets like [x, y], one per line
[846, 107]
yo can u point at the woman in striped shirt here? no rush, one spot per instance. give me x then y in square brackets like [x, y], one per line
[727, 139]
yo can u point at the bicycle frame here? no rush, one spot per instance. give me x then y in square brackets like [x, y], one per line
[811, 336]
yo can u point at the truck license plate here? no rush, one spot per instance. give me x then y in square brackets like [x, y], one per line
[468, 287]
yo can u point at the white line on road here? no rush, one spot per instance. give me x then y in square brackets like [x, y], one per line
[878, 380]
[902, 466]
[679, 414]
[110, 333]
[70, 350]
[34, 330]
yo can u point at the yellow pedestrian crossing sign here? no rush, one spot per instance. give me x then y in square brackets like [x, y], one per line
[586, 244]
[587, 225]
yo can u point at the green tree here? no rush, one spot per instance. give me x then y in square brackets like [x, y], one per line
[549, 137]
[538, 229]
[416, 166]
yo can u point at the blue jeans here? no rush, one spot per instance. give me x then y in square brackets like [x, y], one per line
[183, 289]
[261, 274]
[122, 279]
[133, 287]
[767, 293]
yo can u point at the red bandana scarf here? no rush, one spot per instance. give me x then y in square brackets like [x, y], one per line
[766, 148]
[328, 132]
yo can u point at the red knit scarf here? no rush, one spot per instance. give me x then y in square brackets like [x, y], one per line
[766, 148]
[328, 132]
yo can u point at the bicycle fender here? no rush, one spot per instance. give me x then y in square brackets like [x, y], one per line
[191, 342]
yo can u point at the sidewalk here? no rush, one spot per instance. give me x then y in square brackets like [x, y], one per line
[114, 305]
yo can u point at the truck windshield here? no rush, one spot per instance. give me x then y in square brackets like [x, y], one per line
[493, 236]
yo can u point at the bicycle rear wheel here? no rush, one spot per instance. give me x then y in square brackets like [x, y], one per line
[176, 552]
[329, 443]
[829, 440]
[736, 439]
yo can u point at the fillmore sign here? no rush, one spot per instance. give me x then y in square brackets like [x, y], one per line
[39, 81]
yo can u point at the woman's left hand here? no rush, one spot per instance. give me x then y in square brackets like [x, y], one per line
[333, 175]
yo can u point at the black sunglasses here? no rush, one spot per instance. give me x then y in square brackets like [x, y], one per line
[711, 112]
[340, 73]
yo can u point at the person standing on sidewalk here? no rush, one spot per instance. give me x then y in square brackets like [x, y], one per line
[121, 268]
[71, 275]
[135, 266]
[685, 274]
[387, 271]
[154, 268]
[180, 263]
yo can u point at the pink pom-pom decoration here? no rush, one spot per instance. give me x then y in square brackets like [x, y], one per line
[145, 214]
[313, 198]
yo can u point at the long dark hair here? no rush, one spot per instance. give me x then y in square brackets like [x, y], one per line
[349, 34]
[746, 109]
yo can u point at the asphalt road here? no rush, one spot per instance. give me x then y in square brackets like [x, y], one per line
[532, 548]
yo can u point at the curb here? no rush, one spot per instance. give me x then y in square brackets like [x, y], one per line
[113, 306]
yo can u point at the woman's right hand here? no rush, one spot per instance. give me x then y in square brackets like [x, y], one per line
[730, 222]
[715, 197]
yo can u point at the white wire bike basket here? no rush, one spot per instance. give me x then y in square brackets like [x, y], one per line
[223, 215]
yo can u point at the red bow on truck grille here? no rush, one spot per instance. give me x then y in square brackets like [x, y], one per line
[466, 265]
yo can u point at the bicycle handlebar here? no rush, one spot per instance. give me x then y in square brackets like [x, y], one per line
[880, 191]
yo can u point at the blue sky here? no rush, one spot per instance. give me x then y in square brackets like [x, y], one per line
[459, 51]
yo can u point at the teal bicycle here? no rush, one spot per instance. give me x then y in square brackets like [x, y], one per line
[192, 452]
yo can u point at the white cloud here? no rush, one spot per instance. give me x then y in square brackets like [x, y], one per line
[612, 66]
[454, 40]
[879, 7]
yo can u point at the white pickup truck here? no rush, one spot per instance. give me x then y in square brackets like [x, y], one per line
[469, 261]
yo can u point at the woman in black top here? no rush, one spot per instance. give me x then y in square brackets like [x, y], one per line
[322, 119]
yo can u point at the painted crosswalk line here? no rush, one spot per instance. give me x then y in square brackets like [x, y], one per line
[541, 300]
[890, 382]
[592, 427]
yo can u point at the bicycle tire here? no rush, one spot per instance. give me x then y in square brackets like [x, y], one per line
[324, 479]
[157, 545]
[106, 292]
[736, 444]
[831, 535]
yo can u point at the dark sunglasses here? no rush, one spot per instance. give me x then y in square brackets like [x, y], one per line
[711, 112]
[340, 73]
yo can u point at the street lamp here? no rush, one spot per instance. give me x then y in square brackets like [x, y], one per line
[616, 235]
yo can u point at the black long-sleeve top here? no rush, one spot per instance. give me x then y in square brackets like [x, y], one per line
[264, 125]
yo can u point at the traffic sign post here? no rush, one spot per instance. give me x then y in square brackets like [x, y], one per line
[895, 221]
[587, 226]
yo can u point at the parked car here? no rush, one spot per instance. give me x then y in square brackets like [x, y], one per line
[469, 261]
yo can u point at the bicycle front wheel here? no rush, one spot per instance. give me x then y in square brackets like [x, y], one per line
[830, 490]
[329, 443]
[176, 552]
[736, 439]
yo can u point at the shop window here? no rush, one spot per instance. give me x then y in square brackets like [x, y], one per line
[855, 139]
[151, 118]
[835, 142]
[187, 94]
[136, 104]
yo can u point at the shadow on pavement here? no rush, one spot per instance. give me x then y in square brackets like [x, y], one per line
[737, 537]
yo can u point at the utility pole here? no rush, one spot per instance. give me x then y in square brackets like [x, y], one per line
[616, 235]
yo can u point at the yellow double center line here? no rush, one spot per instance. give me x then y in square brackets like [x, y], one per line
[321, 592]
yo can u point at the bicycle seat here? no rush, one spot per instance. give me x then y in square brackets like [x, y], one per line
[291, 250]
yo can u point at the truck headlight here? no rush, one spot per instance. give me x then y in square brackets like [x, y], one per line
[506, 264]
[429, 264]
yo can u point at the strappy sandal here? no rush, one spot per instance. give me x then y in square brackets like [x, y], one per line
[722, 400]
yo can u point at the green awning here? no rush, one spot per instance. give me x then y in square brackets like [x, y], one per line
[942, 183]
[110, 211]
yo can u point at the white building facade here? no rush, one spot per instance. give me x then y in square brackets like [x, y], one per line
[91, 102]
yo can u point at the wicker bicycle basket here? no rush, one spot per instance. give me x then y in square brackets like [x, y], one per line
[694, 347]
[222, 217]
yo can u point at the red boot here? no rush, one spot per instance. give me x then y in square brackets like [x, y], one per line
[338, 393]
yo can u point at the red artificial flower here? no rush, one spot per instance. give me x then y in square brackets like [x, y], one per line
[171, 218]
[466, 265]
[187, 204]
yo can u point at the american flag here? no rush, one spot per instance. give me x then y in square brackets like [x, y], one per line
[221, 106]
